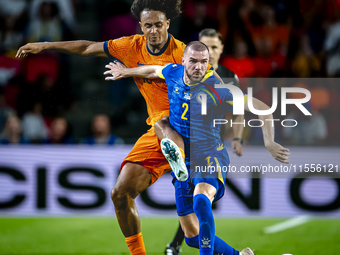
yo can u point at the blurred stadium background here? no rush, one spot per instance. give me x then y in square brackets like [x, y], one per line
[64, 131]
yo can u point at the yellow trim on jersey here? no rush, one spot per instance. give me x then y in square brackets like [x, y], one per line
[245, 100]
[208, 74]
[220, 177]
[160, 74]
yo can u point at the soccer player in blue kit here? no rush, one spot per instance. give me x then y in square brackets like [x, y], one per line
[190, 86]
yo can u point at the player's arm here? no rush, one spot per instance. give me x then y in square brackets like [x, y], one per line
[238, 131]
[278, 152]
[118, 71]
[80, 48]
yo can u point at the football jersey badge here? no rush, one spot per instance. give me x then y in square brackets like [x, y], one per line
[187, 95]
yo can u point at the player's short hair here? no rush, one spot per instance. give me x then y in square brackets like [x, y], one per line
[210, 32]
[196, 46]
[171, 8]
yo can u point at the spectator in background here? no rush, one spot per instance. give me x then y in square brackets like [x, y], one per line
[213, 40]
[10, 36]
[306, 64]
[13, 19]
[47, 72]
[270, 39]
[15, 8]
[240, 63]
[65, 8]
[48, 26]
[238, 14]
[12, 132]
[191, 26]
[101, 132]
[118, 12]
[34, 127]
[59, 133]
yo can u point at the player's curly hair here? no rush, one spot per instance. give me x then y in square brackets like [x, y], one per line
[171, 8]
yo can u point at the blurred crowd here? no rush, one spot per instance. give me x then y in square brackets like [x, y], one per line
[262, 39]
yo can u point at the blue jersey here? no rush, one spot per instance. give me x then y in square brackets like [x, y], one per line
[185, 103]
[202, 140]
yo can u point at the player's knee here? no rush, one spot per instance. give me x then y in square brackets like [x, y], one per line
[201, 202]
[119, 198]
[113, 194]
[164, 120]
[163, 123]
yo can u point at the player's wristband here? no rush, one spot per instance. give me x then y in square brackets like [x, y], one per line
[238, 139]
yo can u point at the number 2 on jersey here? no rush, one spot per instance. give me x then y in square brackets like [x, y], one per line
[186, 107]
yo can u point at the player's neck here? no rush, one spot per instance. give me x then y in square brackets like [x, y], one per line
[186, 79]
[157, 49]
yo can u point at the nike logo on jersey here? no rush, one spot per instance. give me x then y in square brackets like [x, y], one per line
[140, 64]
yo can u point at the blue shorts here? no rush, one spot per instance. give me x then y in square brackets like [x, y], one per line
[184, 190]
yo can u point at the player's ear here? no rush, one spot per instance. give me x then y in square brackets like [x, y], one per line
[141, 27]
[168, 24]
[183, 60]
[222, 47]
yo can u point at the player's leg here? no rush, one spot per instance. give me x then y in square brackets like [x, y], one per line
[190, 225]
[174, 247]
[204, 194]
[132, 180]
[189, 220]
[172, 146]
[164, 130]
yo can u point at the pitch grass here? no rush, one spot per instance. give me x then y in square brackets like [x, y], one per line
[102, 236]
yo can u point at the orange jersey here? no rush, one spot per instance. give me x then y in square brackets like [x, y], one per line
[133, 52]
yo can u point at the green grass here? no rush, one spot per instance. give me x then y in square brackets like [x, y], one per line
[103, 236]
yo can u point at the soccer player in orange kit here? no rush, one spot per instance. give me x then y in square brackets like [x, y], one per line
[145, 163]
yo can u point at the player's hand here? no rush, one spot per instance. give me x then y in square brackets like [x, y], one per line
[237, 146]
[278, 152]
[29, 48]
[116, 70]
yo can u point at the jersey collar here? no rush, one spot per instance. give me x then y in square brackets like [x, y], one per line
[162, 50]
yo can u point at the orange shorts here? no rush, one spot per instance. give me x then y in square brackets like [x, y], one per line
[147, 153]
